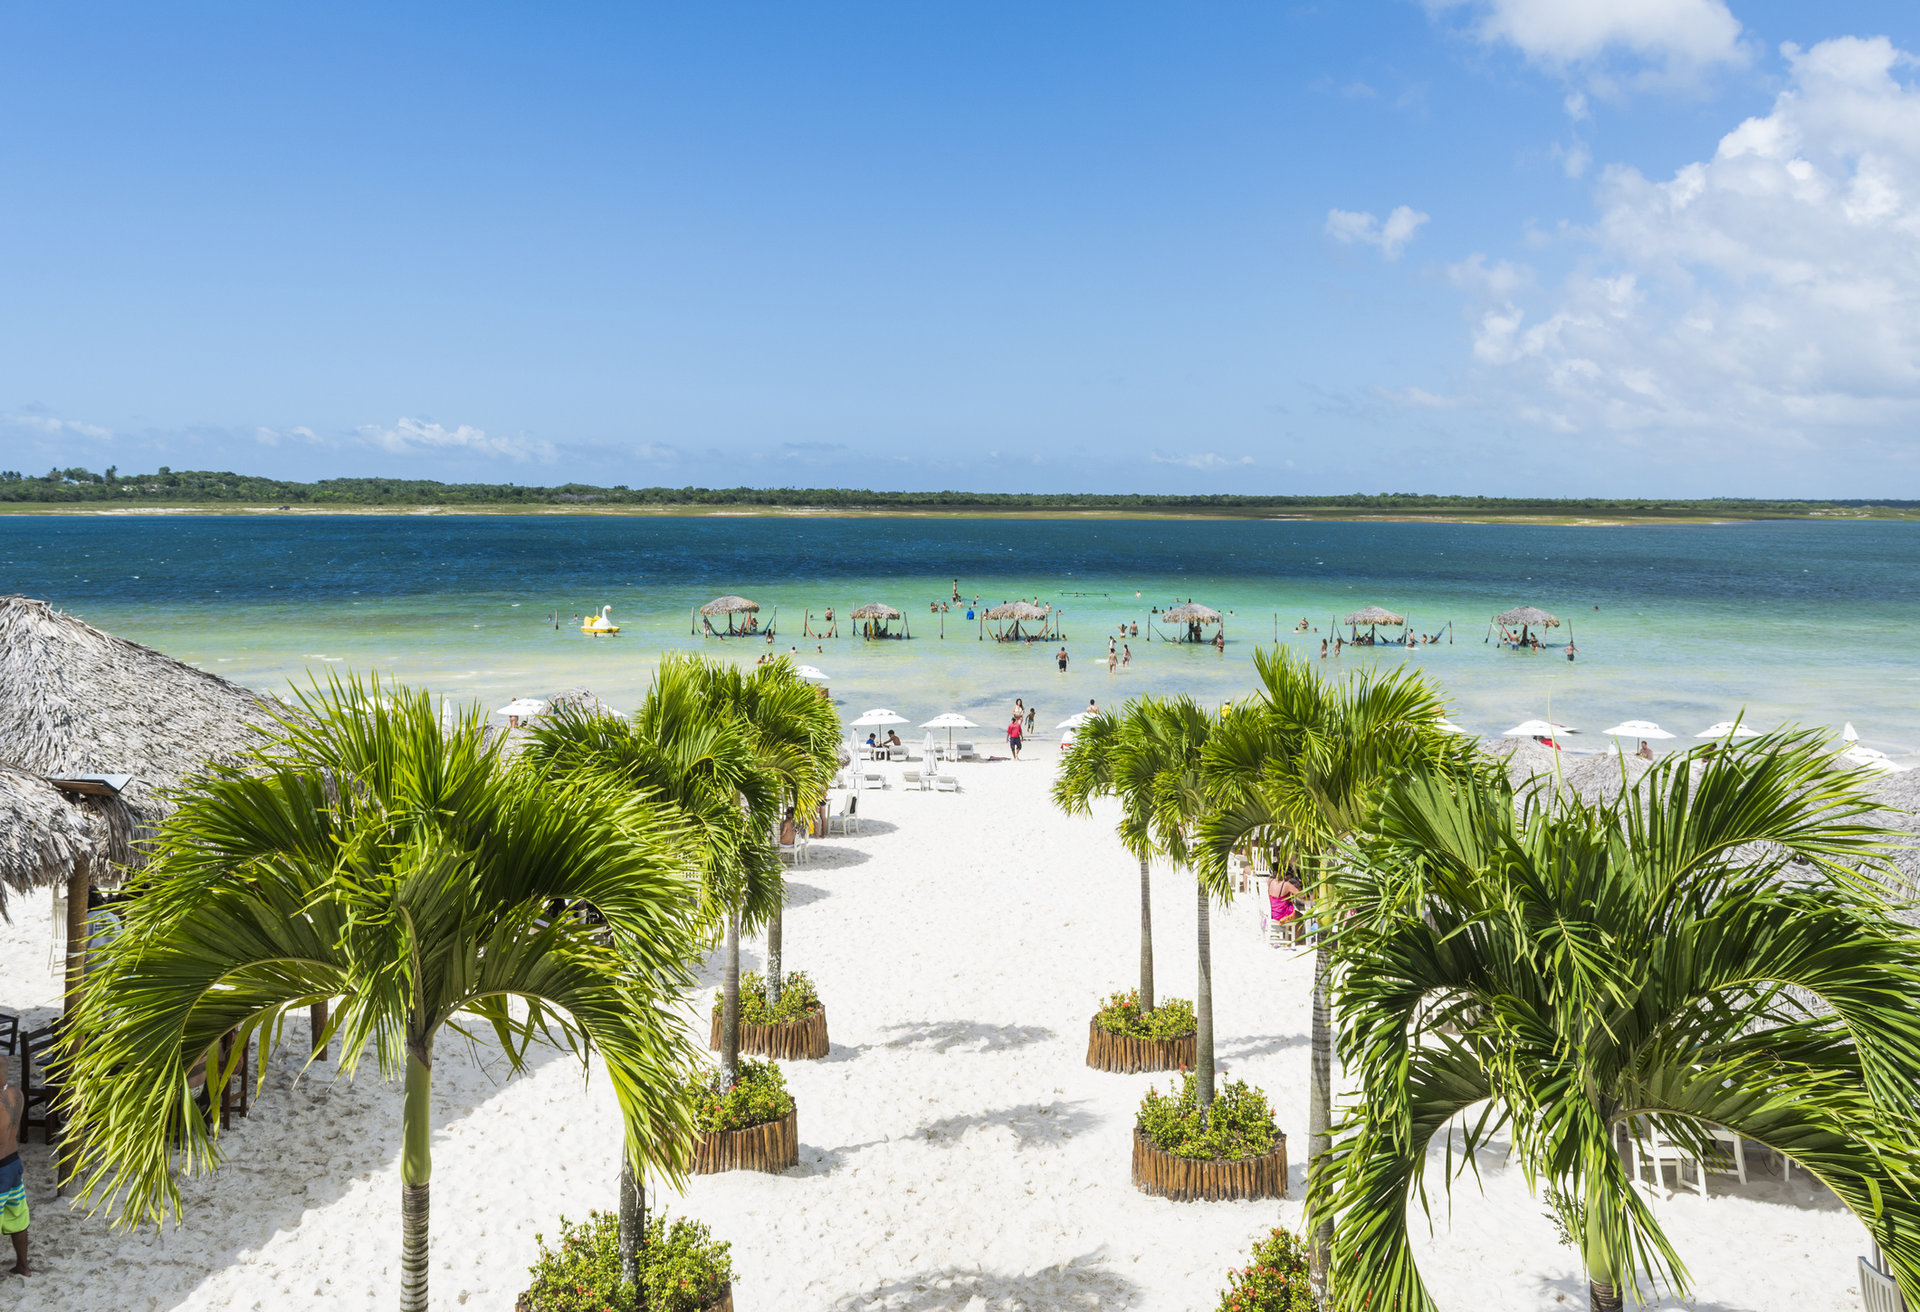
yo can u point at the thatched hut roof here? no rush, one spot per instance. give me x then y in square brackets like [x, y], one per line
[74, 700]
[876, 610]
[1374, 615]
[1190, 613]
[1526, 615]
[729, 605]
[43, 831]
[1017, 610]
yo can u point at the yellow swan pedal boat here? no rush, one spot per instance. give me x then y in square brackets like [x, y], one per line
[601, 624]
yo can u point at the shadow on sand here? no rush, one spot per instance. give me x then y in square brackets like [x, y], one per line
[1082, 1285]
[962, 1035]
[1034, 1124]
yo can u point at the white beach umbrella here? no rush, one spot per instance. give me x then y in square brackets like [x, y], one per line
[1538, 729]
[1727, 728]
[522, 707]
[1451, 727]
[1636, 729]
[810, 672]
[1075, 720]
[950, 721]
[880, 715]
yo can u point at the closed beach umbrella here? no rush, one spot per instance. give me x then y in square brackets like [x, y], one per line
[1636, 729]
[1728, 729]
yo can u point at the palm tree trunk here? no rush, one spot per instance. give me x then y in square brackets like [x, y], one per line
[633, 1226]
[1146, 939]
[1602, 1298]
[416, 1171]
[1320, 1102]
[1203, 1005]
[775, 934]
[730, 1004]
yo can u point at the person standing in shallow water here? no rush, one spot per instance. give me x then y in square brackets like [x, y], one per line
[1062, 660]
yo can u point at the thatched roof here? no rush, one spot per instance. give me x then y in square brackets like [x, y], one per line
[1527, 615]
[1374, 615]
[728, 605]
[74, 700]
[1017, 610]
[1190, 613]
[43, 831]
[876, 610]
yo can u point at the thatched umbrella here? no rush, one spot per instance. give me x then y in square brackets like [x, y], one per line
[74, 701]
[1373, 617]
[1526, 617]
[44, 834]
[876, 614]
[1191, 612]
[1019, 612]
[729, 605]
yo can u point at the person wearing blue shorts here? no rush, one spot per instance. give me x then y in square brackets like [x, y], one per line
[14, 1219]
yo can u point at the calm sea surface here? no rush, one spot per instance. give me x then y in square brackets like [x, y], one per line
[1814, 623]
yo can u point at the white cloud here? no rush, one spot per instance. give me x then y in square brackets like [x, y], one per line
[49, 426]
[1358, 227]
[1670, 41]
[414, 436]
[275, 436]
[1770, 292]
[1202, 460]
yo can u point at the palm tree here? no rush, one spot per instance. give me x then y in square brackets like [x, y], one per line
[1087, 771]
[1711, 950]
[1298, 769]
[1149, 757]
[372, 856]
[695, 759]
[795, 735]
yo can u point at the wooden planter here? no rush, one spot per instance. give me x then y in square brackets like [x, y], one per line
[772, 1147]
[1186, 1180]
[724, 1303]
[789, 1040]
[1119, 1052]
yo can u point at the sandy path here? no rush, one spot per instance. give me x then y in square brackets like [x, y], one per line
[953, 1145]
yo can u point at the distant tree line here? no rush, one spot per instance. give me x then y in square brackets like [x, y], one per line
[204, 487]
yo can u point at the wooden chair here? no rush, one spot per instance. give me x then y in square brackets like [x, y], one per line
[10, 1032]
[39, 1110]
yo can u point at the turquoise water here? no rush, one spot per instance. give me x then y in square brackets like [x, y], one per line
[1809, 622]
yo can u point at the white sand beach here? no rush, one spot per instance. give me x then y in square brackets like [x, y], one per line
[956, 1153]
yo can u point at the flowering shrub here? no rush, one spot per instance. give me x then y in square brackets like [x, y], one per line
[1239, 1125]
[1121, 1014]
[798, 999]
[759, 1097]
[681, 1265]
[1275, 1280]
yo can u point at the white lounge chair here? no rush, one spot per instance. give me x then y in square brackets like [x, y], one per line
[847, 818]
[873, 779]
[911, 778]
[946, 783]
[963, 751]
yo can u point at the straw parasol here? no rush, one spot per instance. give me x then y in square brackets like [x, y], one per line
[1191, 612]
[876, 610]
[1373, 616]
[1526, 617]
[729, 605]
[74, 700]
[44, 834]
[1017, 610]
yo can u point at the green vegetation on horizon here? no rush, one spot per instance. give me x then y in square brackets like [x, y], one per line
[168, 487]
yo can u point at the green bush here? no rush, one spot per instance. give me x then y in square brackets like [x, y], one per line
[798, 999]
[1275, 1280]
[682, 1266]
[1121, 1014]
[759, 1097]
[1239, 1125]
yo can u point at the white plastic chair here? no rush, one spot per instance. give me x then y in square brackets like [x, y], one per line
[847, 818]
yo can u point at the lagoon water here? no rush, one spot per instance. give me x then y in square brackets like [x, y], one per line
[1817, 623]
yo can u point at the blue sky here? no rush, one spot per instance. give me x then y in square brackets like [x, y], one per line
[1558, 247]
